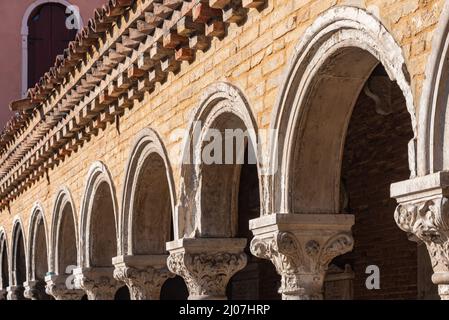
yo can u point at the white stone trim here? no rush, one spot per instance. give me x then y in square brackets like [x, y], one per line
[430, 153]
[24, 34]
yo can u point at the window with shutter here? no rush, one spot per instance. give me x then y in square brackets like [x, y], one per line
[48, 37]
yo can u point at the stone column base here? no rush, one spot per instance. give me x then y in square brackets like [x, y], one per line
[15, 293]
[206, 265]
[61, 287]
[97, 282]
[35, 290]
[301, 246]
[144, 275]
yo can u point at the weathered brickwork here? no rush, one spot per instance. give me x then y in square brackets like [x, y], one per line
[254, 57]
[373, 159]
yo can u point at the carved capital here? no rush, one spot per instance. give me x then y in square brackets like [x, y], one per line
[98, 283]
[143, 275]
[206, 266]
[35, 290]
[15, 293]
[428, 220]
[58, 288]
[301, 248]
[423, 212]
[302, 266]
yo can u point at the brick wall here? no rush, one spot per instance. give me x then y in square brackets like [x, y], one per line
[375, 156]
[254, 57]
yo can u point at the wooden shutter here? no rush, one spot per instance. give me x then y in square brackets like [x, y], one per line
[47, 38]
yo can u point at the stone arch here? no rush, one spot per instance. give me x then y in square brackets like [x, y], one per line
[148, 197]
[224, 103]
[19, 262]
[25, 32]
[98, 219]
[433, 140]
[64, 235]
[343, 34]
[37, 245]
[4, 264]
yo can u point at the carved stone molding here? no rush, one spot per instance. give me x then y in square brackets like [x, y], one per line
[143, 275]
[35, 290]
[423, 212]
[98, 283]
[206, 265]
[301, 246]
[428, 220]
[58, 288]
[15, 293]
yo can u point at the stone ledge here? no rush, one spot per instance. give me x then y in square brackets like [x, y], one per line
[421, 187]
[141, 260]
[199, 245]
[303, 221]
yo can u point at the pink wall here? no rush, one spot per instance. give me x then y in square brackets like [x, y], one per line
[11, 15]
